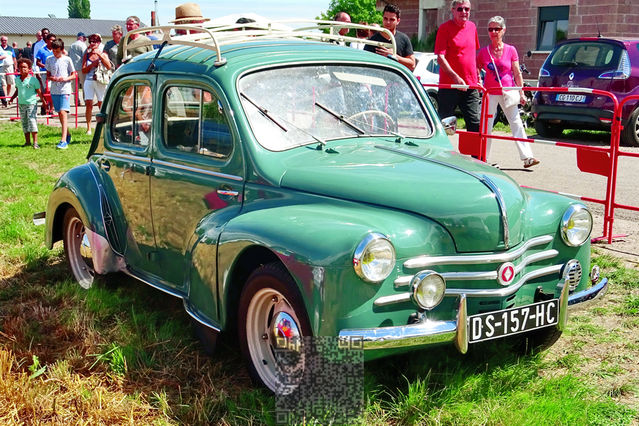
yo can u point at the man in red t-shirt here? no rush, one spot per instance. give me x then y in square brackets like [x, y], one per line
[456, 48]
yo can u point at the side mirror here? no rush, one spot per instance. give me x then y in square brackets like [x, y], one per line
[450, 125]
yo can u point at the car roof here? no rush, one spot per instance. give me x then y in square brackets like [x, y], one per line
[623, 41]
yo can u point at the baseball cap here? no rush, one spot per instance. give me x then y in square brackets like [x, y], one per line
[81, 34]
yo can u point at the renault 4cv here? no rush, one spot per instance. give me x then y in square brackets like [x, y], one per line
[285, 187]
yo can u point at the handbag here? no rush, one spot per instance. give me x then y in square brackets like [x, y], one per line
[511, 97]
[102, 74]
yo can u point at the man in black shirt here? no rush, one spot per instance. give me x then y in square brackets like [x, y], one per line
[404, 47]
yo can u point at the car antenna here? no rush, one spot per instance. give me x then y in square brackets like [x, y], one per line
[598, 30]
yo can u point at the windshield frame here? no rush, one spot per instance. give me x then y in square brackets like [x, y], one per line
[428, 114]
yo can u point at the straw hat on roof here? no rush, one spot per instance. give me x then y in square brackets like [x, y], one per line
[188, 12]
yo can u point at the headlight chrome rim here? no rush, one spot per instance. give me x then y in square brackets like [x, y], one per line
[567, 223]
[361, 252]
[416, 284]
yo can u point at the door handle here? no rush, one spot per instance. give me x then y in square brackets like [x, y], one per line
[228, 192]
[105, 165]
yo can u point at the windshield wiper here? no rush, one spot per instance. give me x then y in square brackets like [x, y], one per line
[341, 118]
[265, 112]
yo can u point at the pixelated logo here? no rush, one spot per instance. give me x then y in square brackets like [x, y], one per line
[331, 387]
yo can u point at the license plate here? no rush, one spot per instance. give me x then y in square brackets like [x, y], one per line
[493, 325]
[569, 97]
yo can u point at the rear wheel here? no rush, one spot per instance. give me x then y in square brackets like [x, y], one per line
[78, 249]
[630, 132]
[547, 130]
[271, 324]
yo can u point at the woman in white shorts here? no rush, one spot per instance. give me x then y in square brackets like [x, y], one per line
[93, 88]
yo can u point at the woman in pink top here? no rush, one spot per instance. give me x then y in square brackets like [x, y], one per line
[504, 56]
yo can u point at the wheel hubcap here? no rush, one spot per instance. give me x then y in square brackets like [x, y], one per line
[79, 253]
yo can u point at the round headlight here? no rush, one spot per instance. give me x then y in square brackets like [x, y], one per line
[374, 258]
[576, 225]
[428, 289]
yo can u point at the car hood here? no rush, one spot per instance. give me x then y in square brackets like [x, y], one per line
[482, 208]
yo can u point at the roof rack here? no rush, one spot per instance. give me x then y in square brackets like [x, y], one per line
[212, 37]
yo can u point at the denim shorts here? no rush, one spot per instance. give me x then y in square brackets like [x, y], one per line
[61, 102]
[28, 116]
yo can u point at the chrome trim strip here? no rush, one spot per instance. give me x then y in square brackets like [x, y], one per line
[127, 156]
[587, 297]
[483, 292]
[187, 308]
[501, 203]
[424, 261]
[392, 299]
[197, 170]
[404, 280]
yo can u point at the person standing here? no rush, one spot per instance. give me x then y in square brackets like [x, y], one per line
[27, 91]
[133, 43]
[456, 47]
[7, 66]
[41, 41]
[76, 53]
[92, 58]
[390, 21]
[501, 63]
[61, 73]
[111, 46]
[27, 52]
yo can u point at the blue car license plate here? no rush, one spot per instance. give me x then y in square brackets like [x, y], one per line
[569, 97]
[493, 325]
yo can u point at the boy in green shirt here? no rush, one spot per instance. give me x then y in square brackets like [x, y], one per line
[28, 87]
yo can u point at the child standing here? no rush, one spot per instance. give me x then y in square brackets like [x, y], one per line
[61, 72]
[28, 87]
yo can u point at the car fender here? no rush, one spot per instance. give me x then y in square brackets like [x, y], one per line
[80, 189]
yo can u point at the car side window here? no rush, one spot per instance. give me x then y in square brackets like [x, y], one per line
[194, 121]
[132, 115]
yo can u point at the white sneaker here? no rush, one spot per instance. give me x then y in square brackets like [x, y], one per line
[89, 132]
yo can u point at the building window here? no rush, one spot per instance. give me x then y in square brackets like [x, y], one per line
[552, 27]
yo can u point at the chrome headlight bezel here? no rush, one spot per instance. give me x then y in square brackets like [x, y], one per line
[428, 278]
[576, 215]
[379, 243]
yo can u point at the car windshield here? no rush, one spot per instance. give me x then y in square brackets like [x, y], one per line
[587, 55]
[294, 106]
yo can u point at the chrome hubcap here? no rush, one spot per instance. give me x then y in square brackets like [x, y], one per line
[79, 253]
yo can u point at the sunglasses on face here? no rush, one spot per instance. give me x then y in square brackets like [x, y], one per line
[494, 30]
[463, 9]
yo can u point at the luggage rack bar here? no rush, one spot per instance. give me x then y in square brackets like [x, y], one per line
[212, 37]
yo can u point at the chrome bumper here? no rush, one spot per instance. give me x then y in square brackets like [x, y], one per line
[433, 332]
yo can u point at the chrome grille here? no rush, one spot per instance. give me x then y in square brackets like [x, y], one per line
[493, 261]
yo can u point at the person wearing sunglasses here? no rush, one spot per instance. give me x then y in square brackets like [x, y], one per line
[501, 63]
[456, 47]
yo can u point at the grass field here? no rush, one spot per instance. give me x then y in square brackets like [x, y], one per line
[122, 352]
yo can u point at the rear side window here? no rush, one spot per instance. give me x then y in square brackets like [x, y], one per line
[587, 55]
[194, 121]
[132, 116]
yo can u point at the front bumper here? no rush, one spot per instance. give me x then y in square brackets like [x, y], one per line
[596, 117]
[436, 332]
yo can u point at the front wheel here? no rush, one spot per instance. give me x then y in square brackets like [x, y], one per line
[546, 130]
[630, 132]
[538, 340]
[272, 324]
[78, 249]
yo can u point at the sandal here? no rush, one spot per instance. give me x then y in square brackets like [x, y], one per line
[530, 161]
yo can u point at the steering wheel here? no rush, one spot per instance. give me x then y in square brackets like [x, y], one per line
[389, 123]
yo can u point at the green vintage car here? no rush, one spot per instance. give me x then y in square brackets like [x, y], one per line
[285, 187]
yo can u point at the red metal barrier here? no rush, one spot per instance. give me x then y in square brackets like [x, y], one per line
[47, 95]
[590, 159]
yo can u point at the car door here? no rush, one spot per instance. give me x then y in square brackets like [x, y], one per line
[197, 175]
[126, 161]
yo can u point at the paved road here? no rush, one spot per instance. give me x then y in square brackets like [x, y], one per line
[558, 172]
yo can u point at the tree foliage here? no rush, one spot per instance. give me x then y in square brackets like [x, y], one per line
[79, 9]
[359, 11]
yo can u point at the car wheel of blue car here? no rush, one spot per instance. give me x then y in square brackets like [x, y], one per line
[547, 130]
[78, 249]
[630, 132]
[272, 325]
